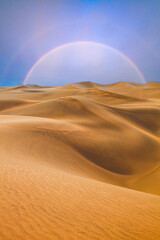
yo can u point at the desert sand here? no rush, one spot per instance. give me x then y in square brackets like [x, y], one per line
[80, 161]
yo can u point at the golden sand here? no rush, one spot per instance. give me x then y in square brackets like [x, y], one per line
[80, 162]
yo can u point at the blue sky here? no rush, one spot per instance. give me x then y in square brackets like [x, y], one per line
[29, 29]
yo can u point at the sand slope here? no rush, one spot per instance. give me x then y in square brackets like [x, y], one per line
[80, 161]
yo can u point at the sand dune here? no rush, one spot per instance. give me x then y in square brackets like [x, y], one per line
[80, 161]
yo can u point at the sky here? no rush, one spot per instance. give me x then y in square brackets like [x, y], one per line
[31, 28]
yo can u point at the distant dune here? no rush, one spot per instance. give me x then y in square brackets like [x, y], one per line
[80, 161]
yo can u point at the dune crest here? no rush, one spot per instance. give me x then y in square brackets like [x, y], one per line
[80, 161]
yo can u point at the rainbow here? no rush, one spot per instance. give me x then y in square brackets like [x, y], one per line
[82, 42]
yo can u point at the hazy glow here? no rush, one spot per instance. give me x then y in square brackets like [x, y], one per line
[83, 61]
[29, 29]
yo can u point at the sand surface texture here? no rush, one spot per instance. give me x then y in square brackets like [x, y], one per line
[80, 161]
